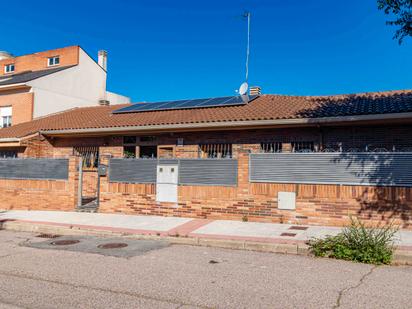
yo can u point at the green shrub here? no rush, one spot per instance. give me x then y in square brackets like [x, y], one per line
[356, 242]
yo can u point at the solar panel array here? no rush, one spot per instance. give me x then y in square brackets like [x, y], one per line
[186, 104]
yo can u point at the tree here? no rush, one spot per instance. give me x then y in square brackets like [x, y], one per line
[402, 11]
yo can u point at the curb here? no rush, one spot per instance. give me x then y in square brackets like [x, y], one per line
[401, 257]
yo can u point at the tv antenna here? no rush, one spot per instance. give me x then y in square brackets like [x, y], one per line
[243, 89]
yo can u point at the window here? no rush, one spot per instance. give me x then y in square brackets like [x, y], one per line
[129, 151]
[53, 61]
[129, 140]
[303, 147]
[7, 154]
[215, 151]
[148, 152]
[9, 68]
[147, 138]
[271, 147]
[5, 116]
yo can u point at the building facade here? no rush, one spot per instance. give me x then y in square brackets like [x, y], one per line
[300, 160]
[39, 84]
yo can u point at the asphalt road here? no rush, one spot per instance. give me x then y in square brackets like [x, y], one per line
[189, 277]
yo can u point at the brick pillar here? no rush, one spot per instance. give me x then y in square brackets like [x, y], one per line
[242, 152]
[104, 180]
[73, 185]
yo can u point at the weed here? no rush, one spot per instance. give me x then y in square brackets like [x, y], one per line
[359, 243]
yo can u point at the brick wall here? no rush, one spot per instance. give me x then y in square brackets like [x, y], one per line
[316, 204]
[41, 194]
[21, 103]
[38, 61]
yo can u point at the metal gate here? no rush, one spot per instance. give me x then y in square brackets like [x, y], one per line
[89, 180]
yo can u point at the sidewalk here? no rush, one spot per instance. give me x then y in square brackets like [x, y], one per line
[273, 237]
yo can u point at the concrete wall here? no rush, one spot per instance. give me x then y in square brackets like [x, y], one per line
[79, 86]
[115, 98]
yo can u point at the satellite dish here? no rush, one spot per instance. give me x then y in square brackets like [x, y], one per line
[243, 88]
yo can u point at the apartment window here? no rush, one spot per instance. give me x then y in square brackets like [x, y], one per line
[271, 147]
[53, 61]
[5, 116]
[303, 147]
[9, 68]
[215, 151]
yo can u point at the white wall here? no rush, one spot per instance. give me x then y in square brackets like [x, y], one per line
[115, 98]
[79, 86]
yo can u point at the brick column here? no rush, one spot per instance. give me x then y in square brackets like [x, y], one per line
[242, 153]
[73, 184]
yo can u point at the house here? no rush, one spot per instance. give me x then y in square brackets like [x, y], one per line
[43, 83]
[292, 159]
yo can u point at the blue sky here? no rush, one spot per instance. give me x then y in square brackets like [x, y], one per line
[160, 50]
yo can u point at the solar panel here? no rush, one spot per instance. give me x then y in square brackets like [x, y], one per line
[185, 104]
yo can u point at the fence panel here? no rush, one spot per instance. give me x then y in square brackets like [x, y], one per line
[382, 169]
[132, 170]
[219, 172]
[40, 169]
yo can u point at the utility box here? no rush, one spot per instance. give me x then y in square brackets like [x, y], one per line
[166, 183]
[287, 200]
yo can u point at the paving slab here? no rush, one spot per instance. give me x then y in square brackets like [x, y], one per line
[154, 223]
[185, 228]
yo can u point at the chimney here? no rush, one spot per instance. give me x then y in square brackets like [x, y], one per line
[102, 59]
[255, 90]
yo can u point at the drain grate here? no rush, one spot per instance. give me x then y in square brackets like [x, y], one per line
[288, 234]
[114, 245]
[65, 242]
[47, 236]
[298, 228]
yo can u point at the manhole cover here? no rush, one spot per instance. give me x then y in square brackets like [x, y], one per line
[114, 245]
[65, 242]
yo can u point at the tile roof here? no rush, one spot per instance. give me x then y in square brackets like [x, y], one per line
[27, 76]
[266, 107]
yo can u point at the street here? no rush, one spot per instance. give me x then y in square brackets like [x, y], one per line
[35, 275]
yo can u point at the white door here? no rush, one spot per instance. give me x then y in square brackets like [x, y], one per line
[166, 183]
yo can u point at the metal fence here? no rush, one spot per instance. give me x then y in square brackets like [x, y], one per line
[219, 172]
[348, 168]
[40, 169]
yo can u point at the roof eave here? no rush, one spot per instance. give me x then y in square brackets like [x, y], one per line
[13, 86]
[231, 124]
[10, 142]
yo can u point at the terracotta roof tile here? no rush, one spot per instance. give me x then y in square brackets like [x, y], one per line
[266, 107]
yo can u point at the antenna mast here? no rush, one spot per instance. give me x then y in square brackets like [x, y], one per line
[247, 15]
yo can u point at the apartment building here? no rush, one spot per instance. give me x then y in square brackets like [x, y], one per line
[43, 83]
